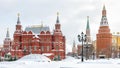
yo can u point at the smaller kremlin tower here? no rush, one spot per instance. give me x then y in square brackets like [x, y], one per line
[74, 50]
[7, 42]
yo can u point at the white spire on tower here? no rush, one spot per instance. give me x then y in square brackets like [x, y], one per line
[104, 21]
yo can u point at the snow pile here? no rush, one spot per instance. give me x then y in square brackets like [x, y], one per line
[69, 58]
[47, 54]
[35, 57]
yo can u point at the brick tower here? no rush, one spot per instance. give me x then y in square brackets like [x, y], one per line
[104, 38]
[59, 40]
[17, 34]
[7, 43]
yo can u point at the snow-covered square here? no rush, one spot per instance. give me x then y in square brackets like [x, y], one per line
[39, 61]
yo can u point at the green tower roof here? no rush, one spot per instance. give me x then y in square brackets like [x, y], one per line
[88, 27]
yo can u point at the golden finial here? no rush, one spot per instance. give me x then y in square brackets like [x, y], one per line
[18, 14]
[57, 13]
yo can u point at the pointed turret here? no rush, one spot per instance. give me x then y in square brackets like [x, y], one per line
[7, 35]
[104, 11]
[18, 32]
[57, 25]
[88, 31]
[104, 7]
[18, 21]
[57, 21]
[104, 21]
[7, 42]
[88, 27]
[74, 49]
[104, 38]
[18, 26]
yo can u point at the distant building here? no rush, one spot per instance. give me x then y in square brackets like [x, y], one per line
[36, 40]
[74, 50]
[79, 49]
[104, 38]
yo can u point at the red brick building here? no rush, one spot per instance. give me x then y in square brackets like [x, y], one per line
[36, 40]
[104, 38]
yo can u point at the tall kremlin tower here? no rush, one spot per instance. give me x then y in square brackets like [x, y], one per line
[104, 38]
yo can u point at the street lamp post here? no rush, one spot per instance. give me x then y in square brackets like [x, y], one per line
[93, 55]
[82, 39]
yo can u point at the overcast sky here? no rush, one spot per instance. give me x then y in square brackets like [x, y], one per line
[73, 15]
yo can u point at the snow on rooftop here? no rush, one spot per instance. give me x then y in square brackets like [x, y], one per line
[57, 50]
[8, 53]
[47, 54]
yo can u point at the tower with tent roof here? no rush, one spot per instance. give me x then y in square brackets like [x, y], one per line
[104, 38]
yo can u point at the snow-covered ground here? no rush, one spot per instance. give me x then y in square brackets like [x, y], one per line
[33, 61]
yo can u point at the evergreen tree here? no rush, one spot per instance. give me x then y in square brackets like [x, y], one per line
[58, 58]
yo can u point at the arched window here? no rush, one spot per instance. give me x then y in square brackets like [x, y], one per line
[16, 47]
[24, 47]
[48, 48]
[35, 48]
[47, 32]
[57, 47]
[30, 49]
[42, 32]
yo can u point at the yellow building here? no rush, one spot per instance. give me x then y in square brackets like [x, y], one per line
[116, 40]
[116, 44]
